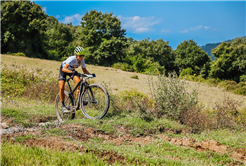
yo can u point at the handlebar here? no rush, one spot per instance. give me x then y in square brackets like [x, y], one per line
[82, 75]
[87, 75]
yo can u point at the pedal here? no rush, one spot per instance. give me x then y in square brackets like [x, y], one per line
[74, 108]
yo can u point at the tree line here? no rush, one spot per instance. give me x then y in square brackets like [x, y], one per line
[28, 30]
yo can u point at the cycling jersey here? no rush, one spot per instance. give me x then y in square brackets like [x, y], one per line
[73, 63]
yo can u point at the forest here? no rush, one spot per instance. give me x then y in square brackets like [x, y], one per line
[28, 31]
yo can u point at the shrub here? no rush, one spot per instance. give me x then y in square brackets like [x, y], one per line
[118, 105]
[171, 95]
[144, 109]
[193, 118]
[228, 85]
[240, 91]
[17, 54]
[242, 84]
[17, 81]
[123, 66]
[243, 78]
[227, 115]
[134, 77]
[131, 94]
[63, 58]
[186, 72]
[212, 81]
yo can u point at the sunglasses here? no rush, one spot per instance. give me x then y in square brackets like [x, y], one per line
[80, 55]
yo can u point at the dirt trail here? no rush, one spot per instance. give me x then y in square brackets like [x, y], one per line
[79, 133]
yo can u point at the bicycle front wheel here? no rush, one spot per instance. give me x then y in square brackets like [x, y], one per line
[95, 102]
[69, 103]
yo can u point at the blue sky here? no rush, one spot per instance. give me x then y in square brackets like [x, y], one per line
[203, 21]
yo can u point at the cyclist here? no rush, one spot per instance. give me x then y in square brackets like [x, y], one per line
[68, 68]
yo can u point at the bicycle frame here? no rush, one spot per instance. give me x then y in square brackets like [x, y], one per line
[93, 99]
[83, 85]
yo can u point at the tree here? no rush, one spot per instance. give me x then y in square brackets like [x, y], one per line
[189, 55]
[102, 36]
[230, 60]
[59, 40]
[156, 51]
[23, 26]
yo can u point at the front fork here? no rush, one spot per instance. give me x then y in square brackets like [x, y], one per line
[84, 86]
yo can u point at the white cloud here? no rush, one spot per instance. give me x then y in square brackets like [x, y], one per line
[45, 9]
[200, 27]
[163, 30]
[139, 24]
[73, 18]
[140, 30]
[58, 16]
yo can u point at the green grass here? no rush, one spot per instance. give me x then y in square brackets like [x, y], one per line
[235, 139]
[21, 155]
[135, 125]
[54, 132]
[22, 138]
[27, 112]
[164, 153]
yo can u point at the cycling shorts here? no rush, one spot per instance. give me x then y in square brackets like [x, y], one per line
[63, 75]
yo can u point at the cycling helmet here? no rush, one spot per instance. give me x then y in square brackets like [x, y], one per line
[79, 51]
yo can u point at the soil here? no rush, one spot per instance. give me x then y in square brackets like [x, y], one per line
[79, 133]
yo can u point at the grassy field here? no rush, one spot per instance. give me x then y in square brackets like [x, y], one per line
[121, 80]
[117, 139]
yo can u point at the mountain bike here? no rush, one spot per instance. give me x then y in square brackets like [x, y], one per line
[92, 99]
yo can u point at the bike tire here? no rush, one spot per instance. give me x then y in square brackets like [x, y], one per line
[97, 108]
[69, 103]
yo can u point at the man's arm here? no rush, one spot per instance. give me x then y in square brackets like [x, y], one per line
[65, 69]
[86, 71]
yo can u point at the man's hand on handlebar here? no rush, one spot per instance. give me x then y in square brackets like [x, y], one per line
[74, 72]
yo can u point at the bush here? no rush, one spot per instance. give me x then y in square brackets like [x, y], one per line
[171, 95]
[17, 81]
[212, 81]
[63, 58]
[131, 94]
[228, 85]
[227, 115]
[240, 91]
[193, 118]
[243, 78]
[123, 66]
[17, 54]
[134, 77]
[186, 72]
[140, 65]
[242, 84]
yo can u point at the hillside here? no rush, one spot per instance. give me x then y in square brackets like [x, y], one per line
[121, 80]
[31, 133]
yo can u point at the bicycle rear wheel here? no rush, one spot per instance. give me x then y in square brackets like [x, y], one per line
[69, 103]
[94, 102]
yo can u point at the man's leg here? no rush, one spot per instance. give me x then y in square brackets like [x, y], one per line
[61, 92]
[76, 79]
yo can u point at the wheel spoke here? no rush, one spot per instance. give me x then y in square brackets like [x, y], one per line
[61, 115]
[95, 102]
